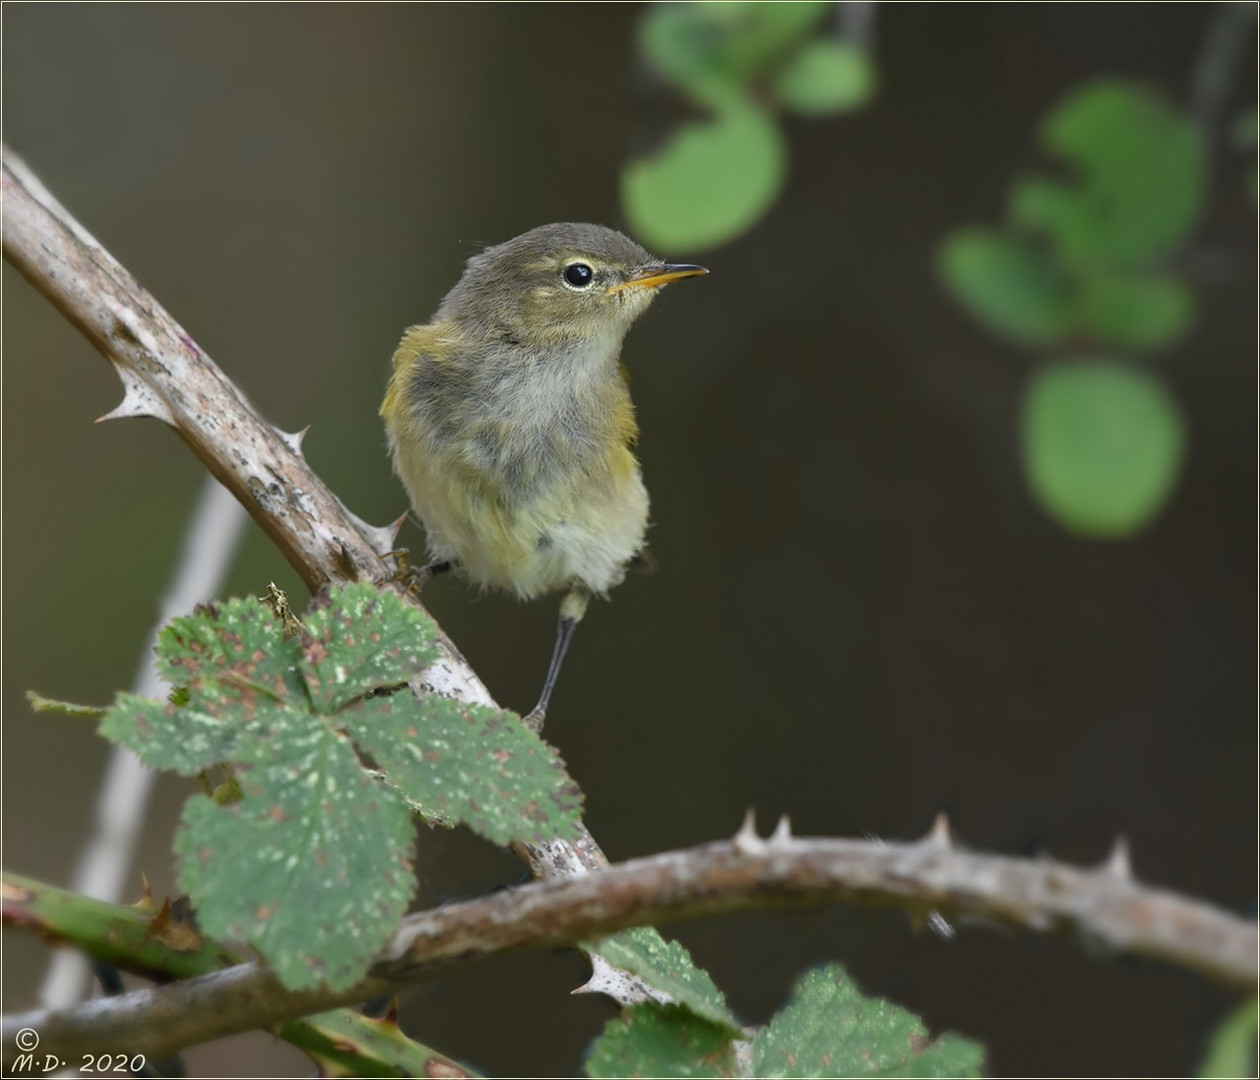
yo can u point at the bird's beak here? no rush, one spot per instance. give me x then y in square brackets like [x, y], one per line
[652, 276]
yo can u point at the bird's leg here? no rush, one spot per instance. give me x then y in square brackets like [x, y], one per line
[572, 608]
[416, 577]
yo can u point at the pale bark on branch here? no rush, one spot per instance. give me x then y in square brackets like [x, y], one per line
[1104, 906]
[166, 375]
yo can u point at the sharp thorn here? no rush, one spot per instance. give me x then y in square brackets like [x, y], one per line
[380, 537]
[1118, 864]
[746, 841]
[938, 835]
[782, 830]
[293, 439]
[138, 400]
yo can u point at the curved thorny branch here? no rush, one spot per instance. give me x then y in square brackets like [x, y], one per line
[167, 376]
[1104, 905]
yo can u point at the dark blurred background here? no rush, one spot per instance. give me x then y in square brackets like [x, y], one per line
[860, 617]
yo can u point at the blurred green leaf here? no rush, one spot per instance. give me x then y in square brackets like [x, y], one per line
[831, 1029]
[667, 966]
[711, 51]
[1232, 1050]
[709, 183]
[662, 1040]
[1142, 176]
[1103, 444]
[756, 34]
[825, 77]
[1008, 286]
[682, 46]
[1132, 311]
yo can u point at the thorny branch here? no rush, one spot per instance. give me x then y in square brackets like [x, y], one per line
[1104, 905]
[167, 376]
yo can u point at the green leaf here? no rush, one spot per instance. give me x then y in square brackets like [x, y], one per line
[310, 862]
[667, 966]
[683, 49]
[1232, 1051]
[1103, 444]
[831, 1029]
[825, 77]
[711, 51]
[238, 643]
[1133, 311]
[1008, 286]
[236, 669]
[182, 739]
[311, 868]
[469, 764]
[709, 183]
[1143, 174]
[358, 639]
[662, 1040]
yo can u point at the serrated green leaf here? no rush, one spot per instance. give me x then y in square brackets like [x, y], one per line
[831, 1029]
[825, 77]
[182, 739]
[236, 669]
[1103, 444]
[237, 642]
[358, 639]
[469, 764]
[667, 966]
[1232, 1051]
[1008, 286]
[1143, 173]
[662, 1040]
[311, 867]
[309, 863]
[1133, 311]
[710, 182]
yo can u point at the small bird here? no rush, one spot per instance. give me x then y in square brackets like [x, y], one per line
[510, 421]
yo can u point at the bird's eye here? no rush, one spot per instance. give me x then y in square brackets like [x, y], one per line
[578, 275]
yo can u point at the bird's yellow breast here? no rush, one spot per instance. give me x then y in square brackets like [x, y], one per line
[521, 468]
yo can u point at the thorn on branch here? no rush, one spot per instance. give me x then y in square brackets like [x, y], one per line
[746, 840]
[782, 835]
[293, 439]
[138, 400]
[939, 836]
[1117, 864]
[382, 538]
